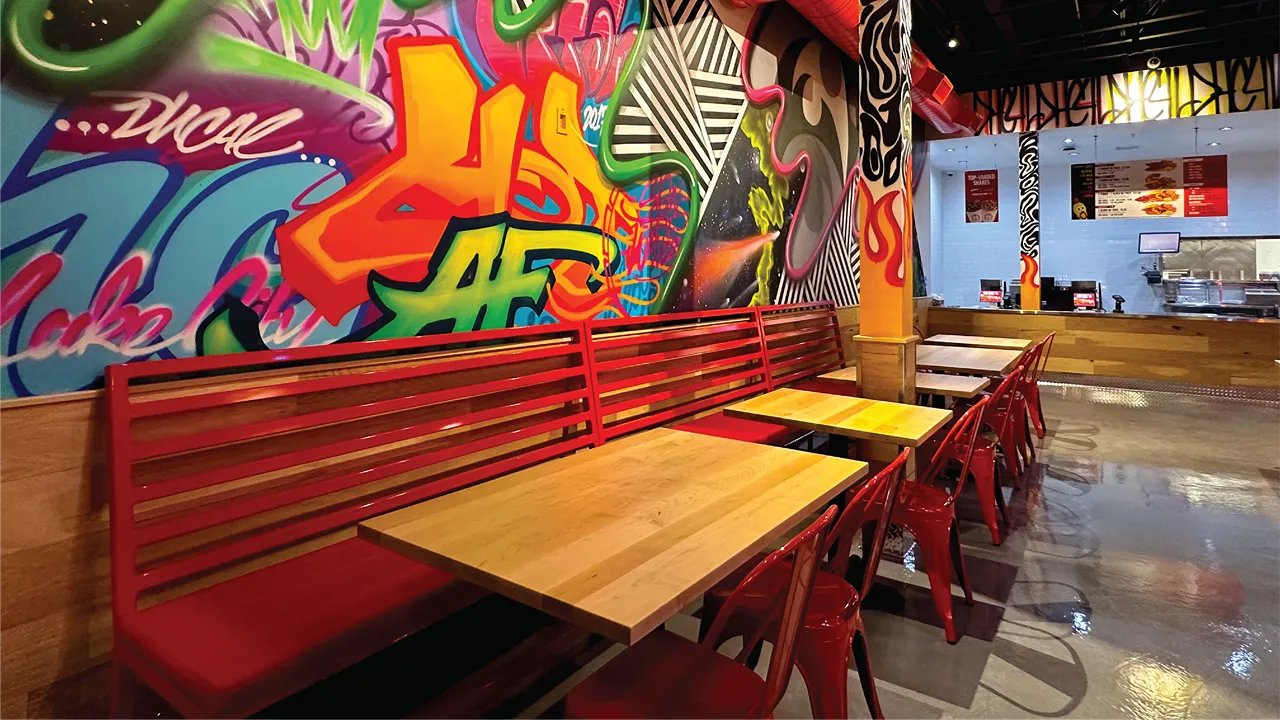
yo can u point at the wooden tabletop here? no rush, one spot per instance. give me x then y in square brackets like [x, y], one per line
[618, 538]
[999, 343]
[896, 423]
[961, 386]
[976, 361]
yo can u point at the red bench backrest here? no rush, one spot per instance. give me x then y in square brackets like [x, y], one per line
[651, 371]
[218, 463]
[802, 340]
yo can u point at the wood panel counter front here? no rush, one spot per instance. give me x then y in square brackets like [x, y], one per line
[618, 538]
[1189, 349]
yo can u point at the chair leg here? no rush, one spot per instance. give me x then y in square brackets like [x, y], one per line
[984, 482]
[824, 665]
[1011, 464]
[124, 690]
[1037, 413]
[862, 658]
[936, 551]
[1000, 503]
[957, 557]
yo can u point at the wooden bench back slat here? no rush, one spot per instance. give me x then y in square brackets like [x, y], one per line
[217, 463]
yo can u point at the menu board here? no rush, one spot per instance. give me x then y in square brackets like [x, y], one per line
[1176, 187]
[981, 196]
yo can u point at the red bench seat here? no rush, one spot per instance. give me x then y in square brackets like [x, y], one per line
[274, 631]
[755, 431]
[240, 466]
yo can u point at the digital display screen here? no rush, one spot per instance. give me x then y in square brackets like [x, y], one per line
[994, 296]
[1085, 300]
[1161, 242]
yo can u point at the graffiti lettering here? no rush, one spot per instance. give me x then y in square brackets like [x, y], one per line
[464, 160]
[235, 136]
[593, 116]
[483, 276]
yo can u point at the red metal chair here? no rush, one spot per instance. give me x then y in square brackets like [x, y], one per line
[1033, 393]
[1015, 439]
[982, 465]
[833, 624]
[929, 513]
[667, 676]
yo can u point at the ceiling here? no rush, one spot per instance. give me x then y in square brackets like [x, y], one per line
[1001, 43]
[1250, 132]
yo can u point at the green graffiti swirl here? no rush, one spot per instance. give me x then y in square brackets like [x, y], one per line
[621, 172]
[172, 21]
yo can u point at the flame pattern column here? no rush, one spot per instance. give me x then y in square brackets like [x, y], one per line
[884, 156]
[1029, 218]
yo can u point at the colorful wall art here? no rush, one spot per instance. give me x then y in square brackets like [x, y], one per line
[185, 177]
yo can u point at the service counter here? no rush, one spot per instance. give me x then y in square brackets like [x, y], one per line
[1198, 349]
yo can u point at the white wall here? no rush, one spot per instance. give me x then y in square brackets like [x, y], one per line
[1104, 250]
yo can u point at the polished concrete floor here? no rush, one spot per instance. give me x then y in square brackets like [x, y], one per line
[1141, 579]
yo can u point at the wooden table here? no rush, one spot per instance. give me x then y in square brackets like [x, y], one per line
[860, 418]
[975, 361]
[999, 343]
[618, 538]
[961, 386]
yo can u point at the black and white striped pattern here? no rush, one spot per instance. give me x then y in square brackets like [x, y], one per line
[519, 6]
[1029, 195]
[836, 273]
[707, 45]
[721, 100]
[664, 93]
[634, 135]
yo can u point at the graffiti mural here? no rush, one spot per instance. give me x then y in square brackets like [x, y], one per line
[1211, 88]
[195, 176]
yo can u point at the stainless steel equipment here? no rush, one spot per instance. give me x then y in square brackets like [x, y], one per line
[1259, 298]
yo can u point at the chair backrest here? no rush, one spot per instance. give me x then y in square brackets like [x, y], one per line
[957, 446]
[1045, 346]
[222, 464]
[879, 492]
[650, 371]
[788, 611]
[1006, 396]
[801, 341]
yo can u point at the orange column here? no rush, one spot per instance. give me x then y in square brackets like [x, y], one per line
[886, 351]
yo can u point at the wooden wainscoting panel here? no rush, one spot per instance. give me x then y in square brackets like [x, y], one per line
[1201, 351]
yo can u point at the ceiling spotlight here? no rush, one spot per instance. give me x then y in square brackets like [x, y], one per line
[1214, 144]
[952, 43]
[964, 162]
[1153, 62]
[1225, 128]
[1073, 153]
[1067, 141]
[951, 149]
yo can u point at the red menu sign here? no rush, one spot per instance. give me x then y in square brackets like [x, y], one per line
[981, 196]
[1205, 179]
